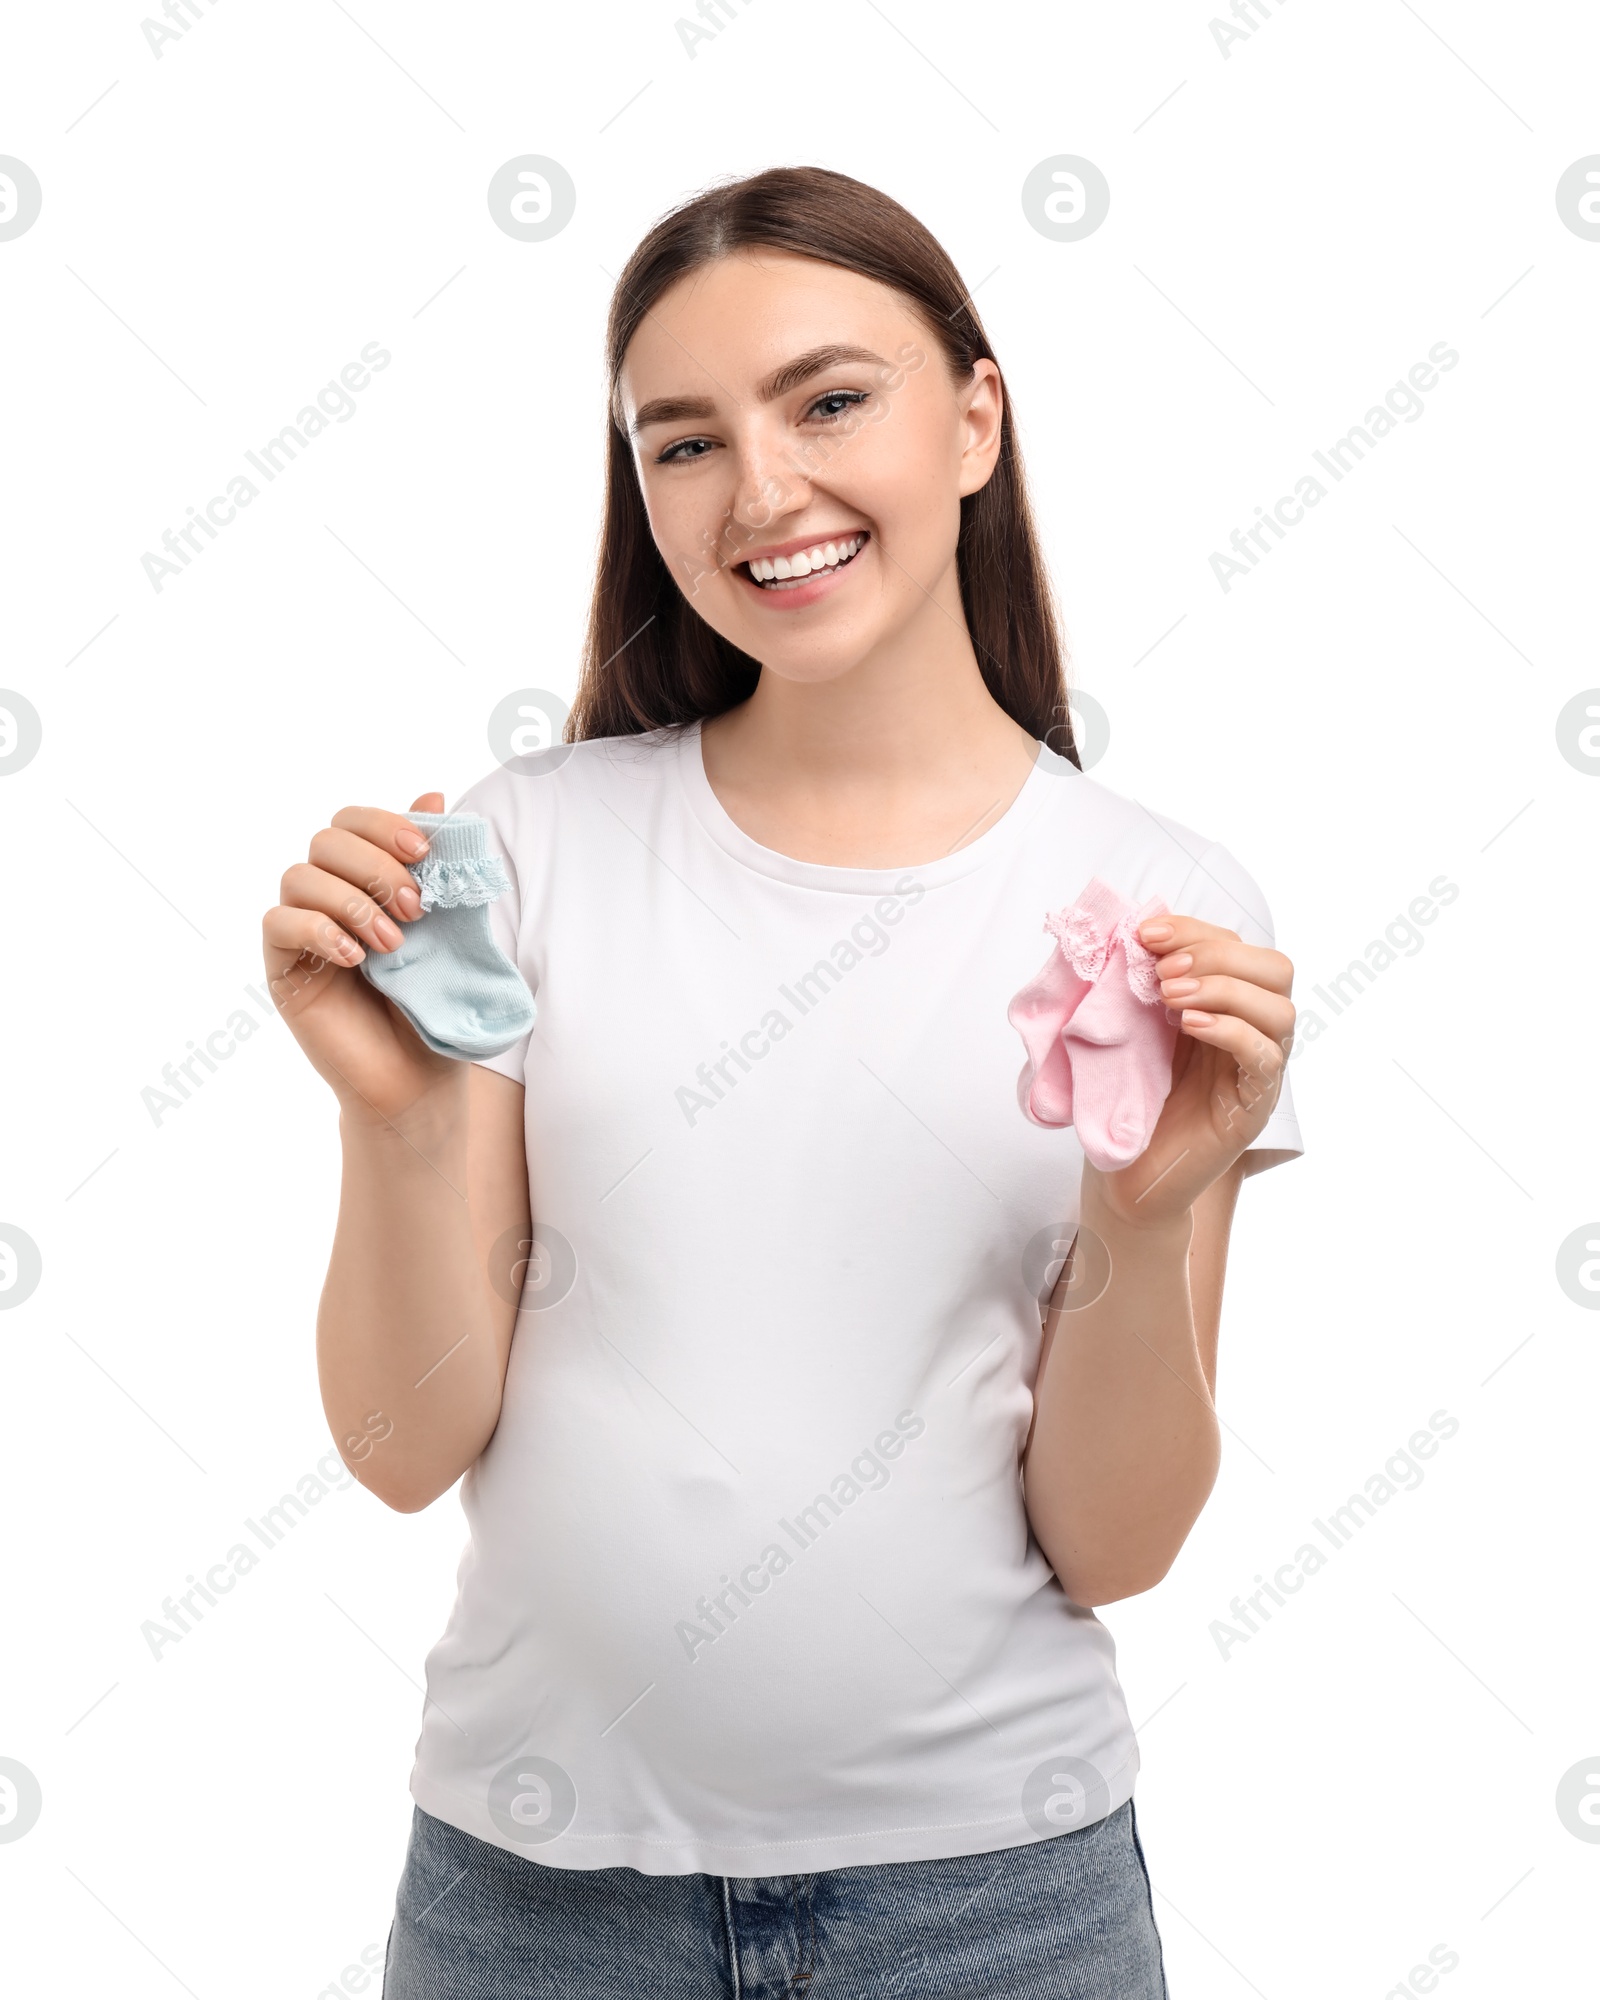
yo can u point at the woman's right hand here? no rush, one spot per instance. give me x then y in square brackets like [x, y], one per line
[348, 898]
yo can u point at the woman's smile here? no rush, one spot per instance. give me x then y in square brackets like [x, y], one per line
[802, 572]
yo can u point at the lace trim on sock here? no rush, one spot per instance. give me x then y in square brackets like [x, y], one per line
[450, 885]
[1086, 943]
[1141, 962]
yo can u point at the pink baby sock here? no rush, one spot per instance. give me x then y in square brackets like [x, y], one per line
[1039, 1013]
[1095, 1028]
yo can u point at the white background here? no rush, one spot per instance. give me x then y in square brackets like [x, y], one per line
[1292, 226]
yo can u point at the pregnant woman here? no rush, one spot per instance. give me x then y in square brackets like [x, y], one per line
[797, 1452]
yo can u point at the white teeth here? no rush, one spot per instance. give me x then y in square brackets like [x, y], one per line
[786, 569]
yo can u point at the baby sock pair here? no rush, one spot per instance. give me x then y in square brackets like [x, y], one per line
[1096, 1030]
[448, 977]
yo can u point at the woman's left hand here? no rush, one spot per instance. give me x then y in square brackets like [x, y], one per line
[1234, 1037]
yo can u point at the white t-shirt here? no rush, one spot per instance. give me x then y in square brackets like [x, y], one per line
[750, 1587]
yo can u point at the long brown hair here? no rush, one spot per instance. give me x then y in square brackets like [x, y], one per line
[649, 659]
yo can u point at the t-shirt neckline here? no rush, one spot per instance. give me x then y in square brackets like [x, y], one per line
[716, 821]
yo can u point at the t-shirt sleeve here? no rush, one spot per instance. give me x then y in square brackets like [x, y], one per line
[1219, 891]
[505, 912]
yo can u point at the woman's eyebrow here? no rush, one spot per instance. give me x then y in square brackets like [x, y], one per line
[681, 409]
[813, 362]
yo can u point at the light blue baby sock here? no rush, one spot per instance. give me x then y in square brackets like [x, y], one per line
[449, 978]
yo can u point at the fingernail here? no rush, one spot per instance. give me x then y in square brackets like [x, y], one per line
[1155, 930]
[410, 842]
[408, 902]
[1176, 988]
[1199, 1020]
[387, 934]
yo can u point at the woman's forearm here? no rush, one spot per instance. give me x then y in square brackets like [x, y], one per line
[1125, 1443]
[411, 1342]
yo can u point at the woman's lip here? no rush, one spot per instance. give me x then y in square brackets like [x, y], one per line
[808, 589]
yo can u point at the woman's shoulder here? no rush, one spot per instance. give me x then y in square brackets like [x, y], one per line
[1145, 852]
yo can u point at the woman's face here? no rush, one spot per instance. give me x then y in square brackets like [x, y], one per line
[778, 406]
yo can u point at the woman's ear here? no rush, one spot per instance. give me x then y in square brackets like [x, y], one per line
[982, 406]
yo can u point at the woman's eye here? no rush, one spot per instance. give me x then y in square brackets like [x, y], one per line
[684, 447]
[849, 398]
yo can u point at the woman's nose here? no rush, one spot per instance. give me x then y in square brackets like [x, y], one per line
[769, 484]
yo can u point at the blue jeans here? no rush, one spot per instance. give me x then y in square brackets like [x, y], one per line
[1069, 1918]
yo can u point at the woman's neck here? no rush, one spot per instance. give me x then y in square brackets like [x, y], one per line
[896, 762]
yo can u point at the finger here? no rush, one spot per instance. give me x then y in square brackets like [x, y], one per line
[387, 881]
[1197, 1017]
[290, 934]
[1261, 1060]
[393, 832]
[1173, 932]
[1269, 1013]
[1226, 953]
[306, 887]
[430, 802]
